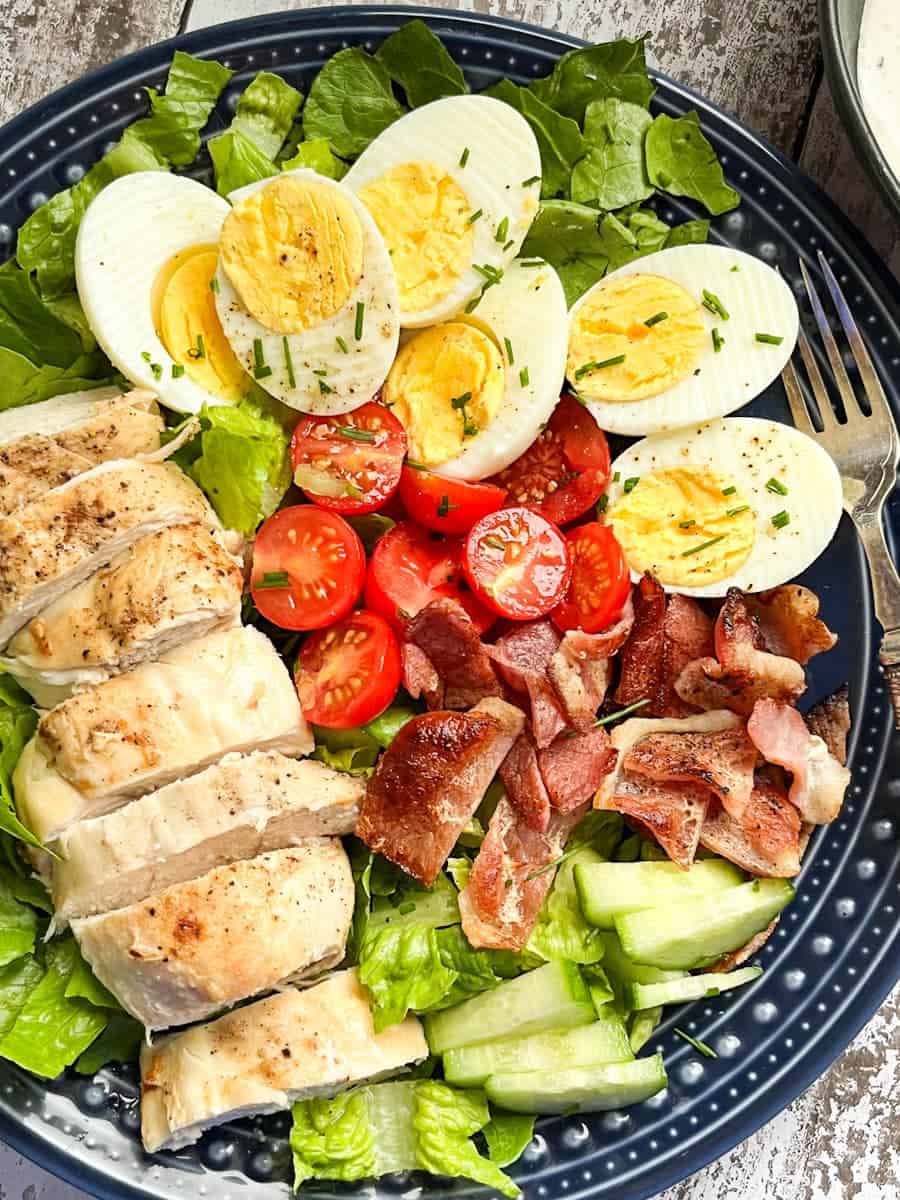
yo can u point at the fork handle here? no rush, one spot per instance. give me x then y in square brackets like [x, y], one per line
[886, 593]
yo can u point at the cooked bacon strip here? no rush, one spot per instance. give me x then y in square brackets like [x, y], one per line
[508, 883]
[766, 839]
[524, 784]
[788, 618]
[574, 767]
[522, 657]
[431, 779]
[444, 632]
[419, 676]
[672, 813]
[580, 670]
[723, 762]
[819, 780]
[830, 720]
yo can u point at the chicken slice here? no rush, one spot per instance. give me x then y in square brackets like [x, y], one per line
[162, 721]
[168, 588]
[238, 931]
[51, 545]
[243, 806]
[266, 1056]
[44, 445]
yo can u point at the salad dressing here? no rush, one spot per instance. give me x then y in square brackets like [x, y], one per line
[878, 75]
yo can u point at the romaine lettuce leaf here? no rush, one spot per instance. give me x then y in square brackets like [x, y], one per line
[17, 981]
[29, 326]
[24, 382]
[350, 102]
[558, 137]
[172, 130]
[18, 721]
[352, 751]
[386, 727]
[316, 155]
[245, 152]
[25, 888]
[507, 1135]
[333, 1139]
[402, 970]
[561, 930]
[18, 926]
[120, 1042]
[682, 162]
[445, 1119]
[417, 59]
[473, 968]
[613, 172]
[83, 984]
[687, 233]
[411, 904]
[609, 69]
[237, 161]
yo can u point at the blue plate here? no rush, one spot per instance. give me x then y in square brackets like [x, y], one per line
[837, 951]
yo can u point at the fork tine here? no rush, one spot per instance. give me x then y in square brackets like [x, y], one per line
[851, 407]
[795, 399]
[820, 391]
[867, 372]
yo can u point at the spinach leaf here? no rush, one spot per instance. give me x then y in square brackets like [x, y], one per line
[567, 235]
[688, 232]
[316, 155]
[682, 162]
[416, 59]
[594, 73]
[559, 138]
[350, 102]
[29, 326]
[613, 173]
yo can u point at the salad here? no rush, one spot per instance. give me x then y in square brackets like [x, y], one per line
[373, 727]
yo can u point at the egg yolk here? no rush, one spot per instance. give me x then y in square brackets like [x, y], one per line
[612, 324]
[294, 253]
[687, 525]
[188, 325]
[445, 386]
[423, 215]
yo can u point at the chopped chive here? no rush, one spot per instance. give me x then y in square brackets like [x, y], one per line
[473, 303]
[509, 244]
[201, 346]
[461, 401]
[551, 866]
[735, 267]
[156, 370]
[262, 372]
[687, 524]
[445, 506]
[588, 367]
[288, 363]
[532, 262]
[473, 217]
[616, 477]
[702, 1047]
[214, 285]
[523, 377]
[360, 317]
[717, 340]
[146, 355]
[272, 579]
[769, 339]
[342, 345]
[529, 182]
[713, 304]
[177, 370]
[502, 230]
[776, 486]
[729, 491]
[623, 712]
[781, 519]
[415, 466]
[733, 512]
[656, 318]
[509, 351]
[602, 504]
[259, 359]
[354, 434]
[324, 387]
[630, 484]
[491, 540]
[491, 274]
[464, 157]
[703, 545]
[320, 372]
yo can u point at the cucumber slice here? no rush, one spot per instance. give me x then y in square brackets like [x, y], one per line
[691, 987]
[607, 889]
[695, 931]
[621, 971]
[643, 1024]
[552, 997]
[581, 1089]
[604, 1041]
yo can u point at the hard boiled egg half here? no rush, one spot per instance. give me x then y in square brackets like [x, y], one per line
[306, 293]
[144, 260]
[683, 335]
[474, 392]
[742, 502]
[453, 186]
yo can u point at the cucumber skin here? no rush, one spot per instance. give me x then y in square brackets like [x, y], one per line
[692, 987]
[703, 929]
[589, 1089]
[596, 884]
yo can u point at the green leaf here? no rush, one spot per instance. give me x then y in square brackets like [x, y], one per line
[176, 117]
[629, 850]
[18, 925]
[353, 751]
[641, 1027]
[445, 1119]
[402, 970]
[370, 527]
[558, 137]
[613, 173]
[561, 930]
[316, 155]
[609, 69]
[687, 233]
[83, 984]
[507, 1135]
[17, 981]
[474, 969]
[26, 888]
[333, 1139]
[237, 161]
[120, 1042]
[602, 991]
[408, 903]
[18, 721]
[350, 102]
[567, 235]
[265, 112]
[22, 382]
[29, 326]
[682, 162]
[386, 727]
[416, 59]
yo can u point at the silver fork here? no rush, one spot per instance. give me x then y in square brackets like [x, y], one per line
[866, 450]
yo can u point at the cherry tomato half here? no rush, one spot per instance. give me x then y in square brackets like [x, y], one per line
[600, 580]
[349, 463]
[517, 564]
[447, 505]
[308, 568]
[565, 469]
[409, 568]
[348, 674]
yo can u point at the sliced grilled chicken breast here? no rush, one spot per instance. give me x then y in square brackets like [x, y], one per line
[266, 1056]
[168, 588]
[227, 692]
[243, 806]
[237, 931]
[50, 545]
[44, 445]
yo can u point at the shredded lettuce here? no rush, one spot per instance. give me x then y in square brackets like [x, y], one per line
[246, 151]
[558, 137]
[350, 102]
[609, 69]
[681, 161]
[418, 61]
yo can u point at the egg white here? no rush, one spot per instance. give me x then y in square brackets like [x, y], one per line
[354, 377]
[751, 451]
[502, 154]
[757, 300]
[527, 307]
[128, 234]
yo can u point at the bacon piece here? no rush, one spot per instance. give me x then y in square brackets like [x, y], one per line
[431, 779]
[830, 720]
[765, 840]
[574, 767]
[524, 784]
[672, 813]
[723, 762]
[444, 632]
[736, 957]
[419, 676]
[819, 780]
[580, 670]
[522, 657]
[788, 618]
[508, 883]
